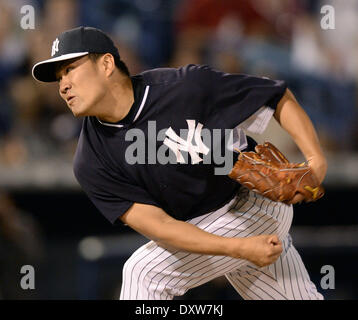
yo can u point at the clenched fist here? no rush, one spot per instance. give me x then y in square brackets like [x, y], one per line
[261, 250]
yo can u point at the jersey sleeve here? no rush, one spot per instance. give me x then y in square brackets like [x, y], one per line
[236, 97]
[111, 193]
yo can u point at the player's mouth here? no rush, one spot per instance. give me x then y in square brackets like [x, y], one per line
[70, 99]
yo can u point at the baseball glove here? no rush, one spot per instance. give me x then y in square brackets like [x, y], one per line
[269, 173]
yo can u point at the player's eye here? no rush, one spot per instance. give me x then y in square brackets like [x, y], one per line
[68, 69]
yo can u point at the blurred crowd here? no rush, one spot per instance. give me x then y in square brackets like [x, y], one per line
[274, 38]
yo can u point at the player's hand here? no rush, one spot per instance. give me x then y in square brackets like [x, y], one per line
[319, 168]
[261, 250]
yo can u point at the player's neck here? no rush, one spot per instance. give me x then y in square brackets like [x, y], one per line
[118, 101]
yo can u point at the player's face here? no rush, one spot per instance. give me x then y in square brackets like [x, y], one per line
[80, 86]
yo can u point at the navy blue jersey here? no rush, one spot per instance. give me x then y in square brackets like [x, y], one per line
[166, 151]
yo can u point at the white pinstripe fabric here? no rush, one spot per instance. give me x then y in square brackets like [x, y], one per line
[156, 273]
[286, 279]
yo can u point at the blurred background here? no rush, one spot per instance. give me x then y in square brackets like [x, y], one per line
[46, 220]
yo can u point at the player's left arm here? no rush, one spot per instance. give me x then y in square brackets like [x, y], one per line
[292, 118]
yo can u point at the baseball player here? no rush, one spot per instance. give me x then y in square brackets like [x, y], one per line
[143, 161]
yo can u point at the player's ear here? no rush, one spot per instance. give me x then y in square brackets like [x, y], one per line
[108, 64]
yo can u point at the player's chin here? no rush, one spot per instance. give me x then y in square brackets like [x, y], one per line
[78, 112]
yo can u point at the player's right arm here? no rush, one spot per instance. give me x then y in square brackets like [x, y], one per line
[167, 232]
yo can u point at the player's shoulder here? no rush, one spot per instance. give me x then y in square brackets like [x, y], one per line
[172, 75]
[87, 146]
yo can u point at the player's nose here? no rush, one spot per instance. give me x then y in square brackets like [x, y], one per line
[64, 85]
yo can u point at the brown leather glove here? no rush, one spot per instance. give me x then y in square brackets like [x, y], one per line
[269, 173]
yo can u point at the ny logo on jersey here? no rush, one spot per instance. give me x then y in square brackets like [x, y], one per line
[54, 47]
[179, 145]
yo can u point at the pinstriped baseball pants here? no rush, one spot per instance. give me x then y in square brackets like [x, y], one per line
[155, 273]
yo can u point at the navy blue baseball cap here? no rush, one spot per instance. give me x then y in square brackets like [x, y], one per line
[71, 44]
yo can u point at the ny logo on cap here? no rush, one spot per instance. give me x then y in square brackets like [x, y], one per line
[54, 47]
